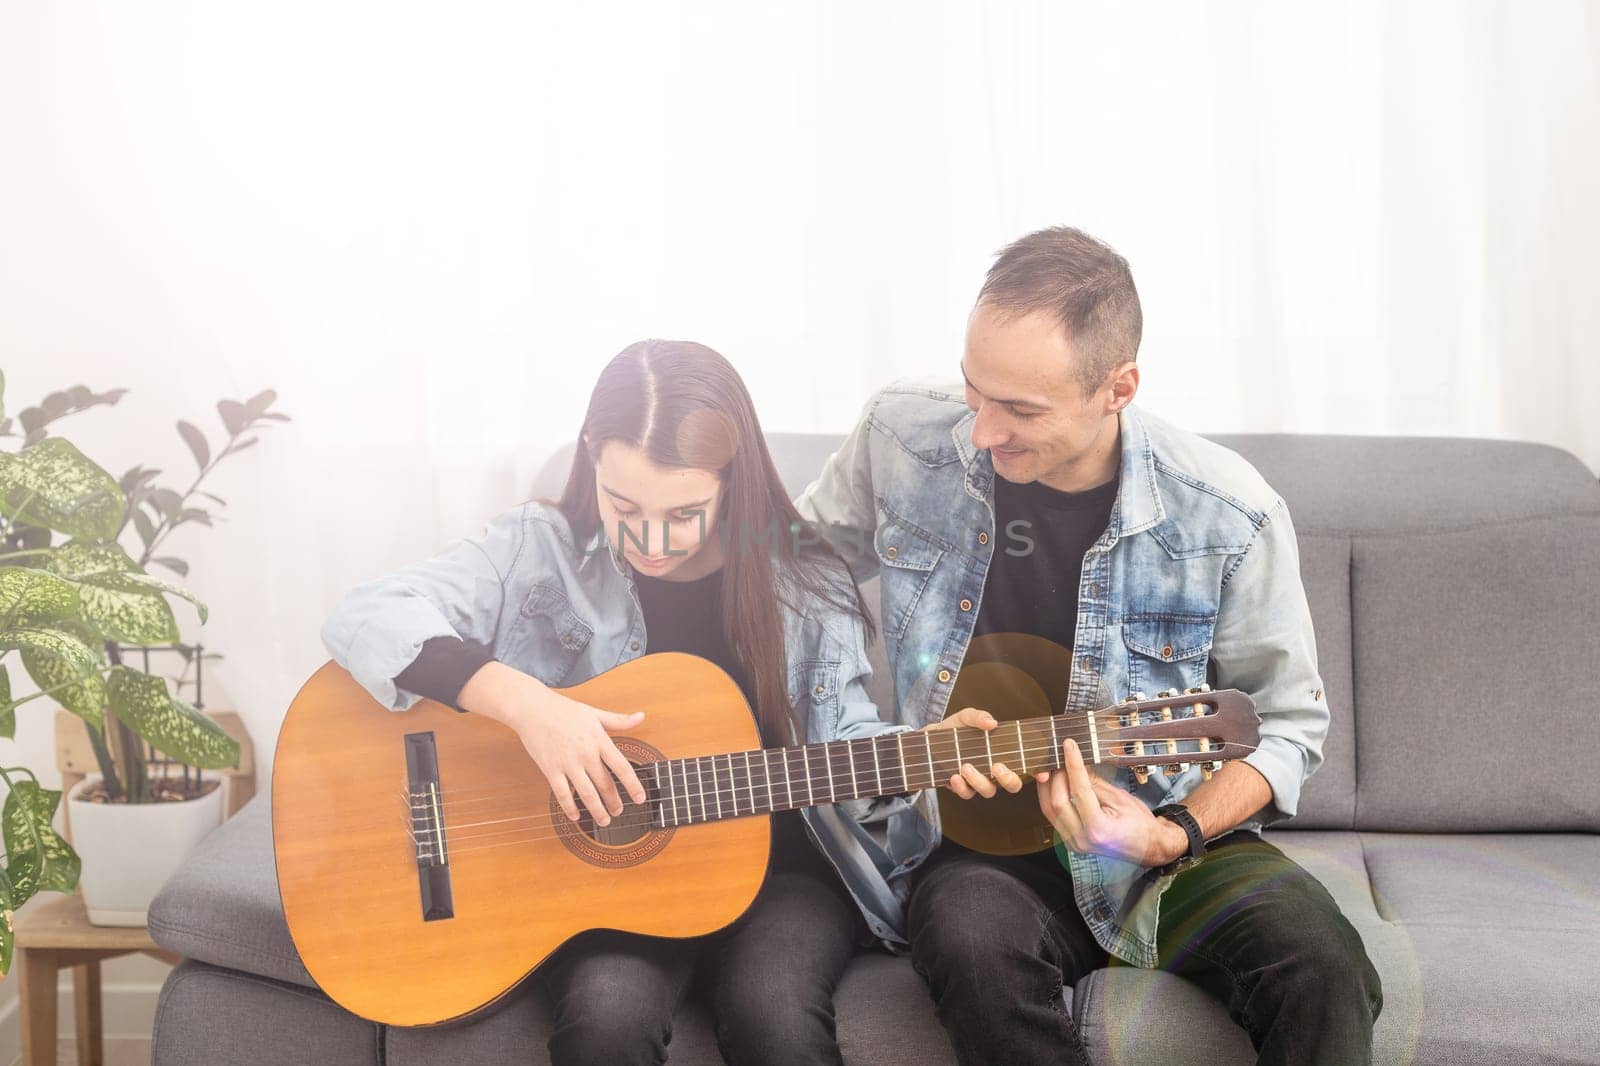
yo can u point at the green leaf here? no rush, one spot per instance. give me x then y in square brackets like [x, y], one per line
[51, 641]
[8, 710]
[122, 603]
[175, 728]
[137, 581]
[79, 559]
[258, 403]
[168, 501]
[129, 614]
[196, 441]
[8, 925]
[28, 595]
[234, 415]
[141, 522]
[127, 611]
[55, 655]
[39, 860]
[173, 563]
[53, 484]
[84, 694]
[58, 405]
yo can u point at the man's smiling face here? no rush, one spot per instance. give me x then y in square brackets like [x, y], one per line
[1032, 414]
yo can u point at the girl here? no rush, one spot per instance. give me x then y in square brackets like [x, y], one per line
[674, 533]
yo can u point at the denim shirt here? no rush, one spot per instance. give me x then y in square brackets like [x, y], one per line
[564, 614]
[1198, 566]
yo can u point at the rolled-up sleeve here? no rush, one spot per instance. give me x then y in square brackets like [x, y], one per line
[377, 628]
[1264, 645]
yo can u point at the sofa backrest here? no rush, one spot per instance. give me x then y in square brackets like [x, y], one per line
[1454, 585]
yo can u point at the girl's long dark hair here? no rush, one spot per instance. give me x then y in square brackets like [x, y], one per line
[684, 405]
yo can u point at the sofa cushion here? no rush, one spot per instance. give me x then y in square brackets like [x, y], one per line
[1546, 882]
[1405, 485]
[208, 1015]
[1328, 798]
[886, 1016]
[222, 905]
[1472, 689]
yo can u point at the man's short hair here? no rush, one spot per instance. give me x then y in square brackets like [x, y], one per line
[1086, 285]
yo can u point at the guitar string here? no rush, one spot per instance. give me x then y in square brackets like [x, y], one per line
[1111, 721]
[1077, 730]
[689, 780]
[532, 837]
[721, 770]
[537, 824]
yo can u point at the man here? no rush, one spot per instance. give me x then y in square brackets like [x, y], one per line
[1038, 502]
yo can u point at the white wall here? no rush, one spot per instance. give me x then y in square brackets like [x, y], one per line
[427, 226]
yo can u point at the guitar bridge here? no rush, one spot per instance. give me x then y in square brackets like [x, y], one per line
[427, 826]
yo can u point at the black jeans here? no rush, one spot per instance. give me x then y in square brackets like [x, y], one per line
[768, 979]
[998, 938]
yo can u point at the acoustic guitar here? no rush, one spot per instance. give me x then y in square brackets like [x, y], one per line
[425, 868]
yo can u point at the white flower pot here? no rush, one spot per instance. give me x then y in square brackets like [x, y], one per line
[130, 849]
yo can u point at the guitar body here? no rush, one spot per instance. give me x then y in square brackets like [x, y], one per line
[406, 929]
[1008, 675]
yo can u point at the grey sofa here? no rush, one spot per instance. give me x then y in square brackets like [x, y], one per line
[1455, 586]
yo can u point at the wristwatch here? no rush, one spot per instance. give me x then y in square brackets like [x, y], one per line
[1179, 814]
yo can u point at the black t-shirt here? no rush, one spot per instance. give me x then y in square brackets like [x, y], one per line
[1041, 536]
[1032, 585]
[687, 616]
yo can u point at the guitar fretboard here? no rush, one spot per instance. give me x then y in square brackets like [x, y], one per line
[732, 785]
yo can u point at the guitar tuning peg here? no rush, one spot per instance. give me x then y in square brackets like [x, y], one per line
[1173, 769]
[1206, 770]
[1141, 774]
[1165, 693]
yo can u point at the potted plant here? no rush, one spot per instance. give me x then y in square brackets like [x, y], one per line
[72, 599]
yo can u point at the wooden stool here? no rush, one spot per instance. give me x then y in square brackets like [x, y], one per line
[56, 933]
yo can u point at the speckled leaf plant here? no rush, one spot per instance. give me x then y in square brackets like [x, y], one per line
[72, 599]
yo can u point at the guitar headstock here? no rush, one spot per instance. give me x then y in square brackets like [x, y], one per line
[1178, 729]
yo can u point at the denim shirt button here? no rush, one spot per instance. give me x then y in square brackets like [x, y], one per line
[1101, 913]
[633, 645]
[983, 538]
[944, 675]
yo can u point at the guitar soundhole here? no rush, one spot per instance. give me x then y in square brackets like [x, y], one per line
[632, 837]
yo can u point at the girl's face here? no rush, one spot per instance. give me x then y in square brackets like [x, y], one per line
[660, 517]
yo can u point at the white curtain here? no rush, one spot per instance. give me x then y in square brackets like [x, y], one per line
[427, 226]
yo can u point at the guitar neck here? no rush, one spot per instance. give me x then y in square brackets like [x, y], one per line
[733, 785]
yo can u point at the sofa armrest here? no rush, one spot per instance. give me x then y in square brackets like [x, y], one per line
[222, 905]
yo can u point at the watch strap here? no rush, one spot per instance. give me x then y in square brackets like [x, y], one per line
[1179, 814]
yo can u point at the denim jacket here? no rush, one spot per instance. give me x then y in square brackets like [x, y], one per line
[1198, 566]
[563, 614]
